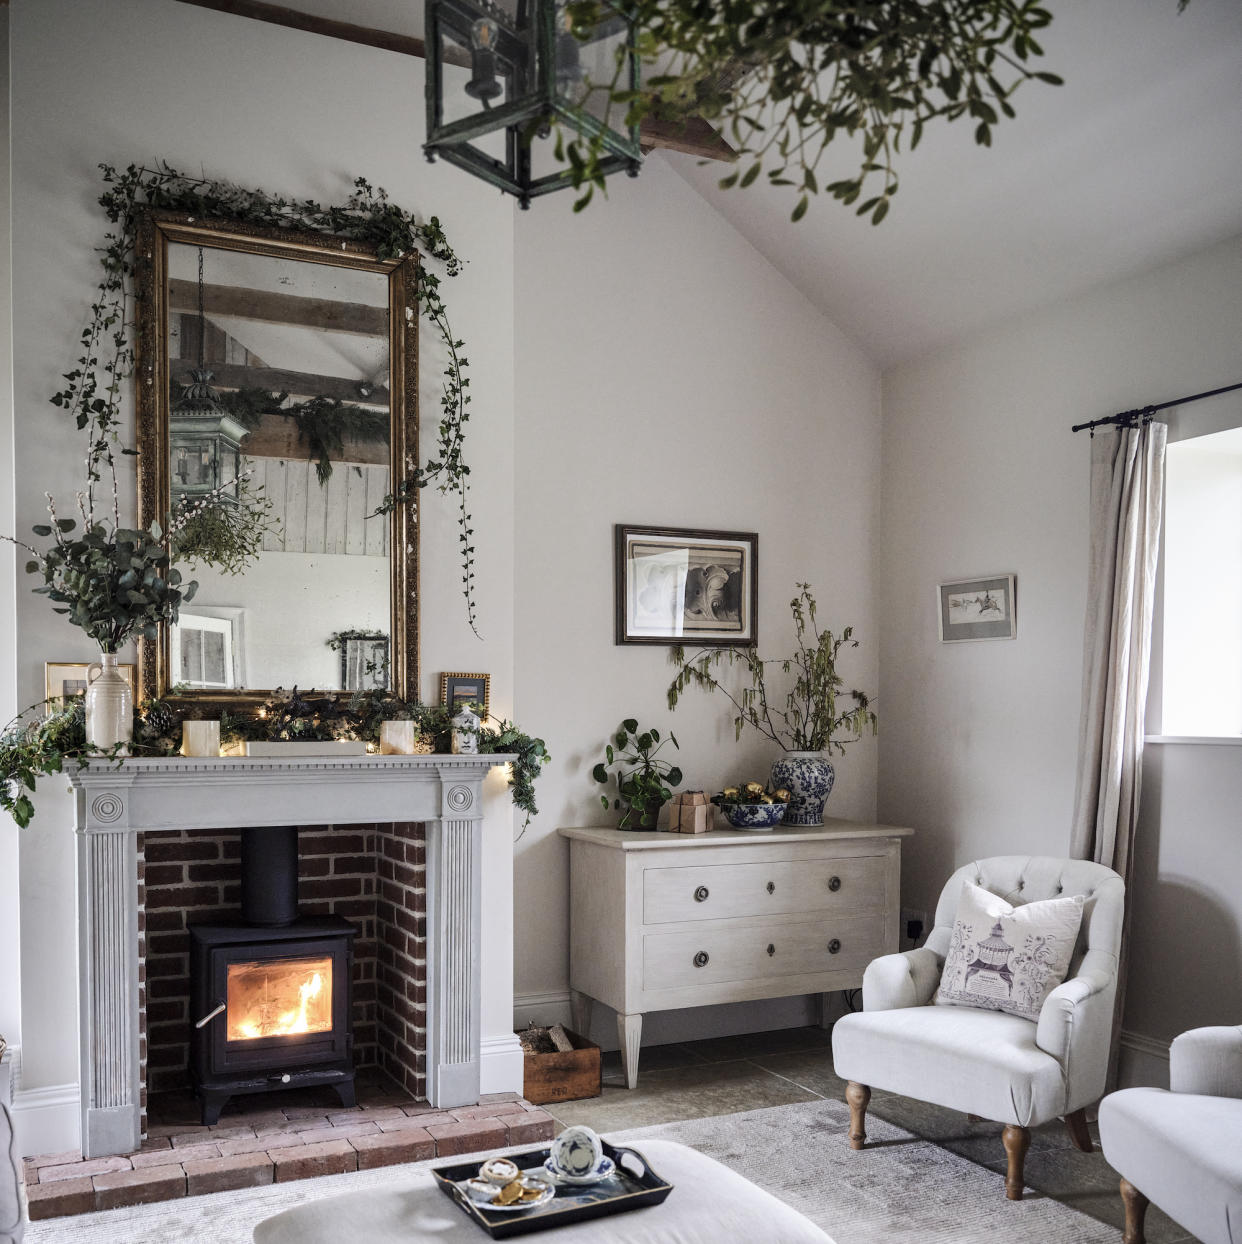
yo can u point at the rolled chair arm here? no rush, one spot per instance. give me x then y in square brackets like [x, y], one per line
[1063, 1008]
[1207, 1061]
[906, 979]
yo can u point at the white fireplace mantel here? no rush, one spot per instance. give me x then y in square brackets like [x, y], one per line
[114, 802]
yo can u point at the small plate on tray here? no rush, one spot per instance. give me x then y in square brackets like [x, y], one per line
[632, 1184]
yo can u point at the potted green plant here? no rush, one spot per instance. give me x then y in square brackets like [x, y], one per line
[644, 782]
[812, 721]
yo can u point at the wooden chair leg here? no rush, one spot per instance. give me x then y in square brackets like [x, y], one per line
[1136, 1209]
[1079, 1133]
[1017, 1140]
[857, 1096]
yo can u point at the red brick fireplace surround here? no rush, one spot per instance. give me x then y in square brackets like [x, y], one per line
[373, 875]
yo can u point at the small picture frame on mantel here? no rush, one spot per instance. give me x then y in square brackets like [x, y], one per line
[459, 689]
[67, 680]
[982, 608]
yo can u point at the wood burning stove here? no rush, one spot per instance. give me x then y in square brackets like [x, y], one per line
[271, 996]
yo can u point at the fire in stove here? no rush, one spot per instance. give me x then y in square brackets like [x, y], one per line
[279, 998]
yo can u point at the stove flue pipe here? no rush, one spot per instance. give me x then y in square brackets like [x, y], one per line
[269, 867]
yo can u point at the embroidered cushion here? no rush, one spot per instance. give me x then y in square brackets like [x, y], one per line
[1006, 958]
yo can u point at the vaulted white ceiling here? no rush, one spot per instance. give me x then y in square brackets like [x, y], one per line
[1137, 160]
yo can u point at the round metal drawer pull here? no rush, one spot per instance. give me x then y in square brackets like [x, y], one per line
[834, 883]
[700, 895]
[700, 960]
[771, 949]
[834, 946]
[771, 887]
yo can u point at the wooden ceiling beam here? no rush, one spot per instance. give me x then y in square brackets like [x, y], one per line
[693, 137]
[274, 308]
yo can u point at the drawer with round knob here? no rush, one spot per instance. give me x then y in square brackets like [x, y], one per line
[784, 887]
[686, 959]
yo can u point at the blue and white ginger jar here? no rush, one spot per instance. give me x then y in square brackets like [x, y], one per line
[808, 777]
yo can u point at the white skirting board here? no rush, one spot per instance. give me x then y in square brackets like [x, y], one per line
[47, 1120]
[501, 1067]
[1143, 1061]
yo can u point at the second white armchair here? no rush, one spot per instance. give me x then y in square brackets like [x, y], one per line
[996, 1066]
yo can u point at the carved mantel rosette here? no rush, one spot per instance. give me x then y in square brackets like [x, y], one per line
[114, 803]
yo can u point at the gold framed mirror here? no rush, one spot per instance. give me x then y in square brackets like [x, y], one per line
[277, 390]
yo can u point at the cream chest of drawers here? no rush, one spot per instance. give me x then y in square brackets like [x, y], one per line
[660, 921]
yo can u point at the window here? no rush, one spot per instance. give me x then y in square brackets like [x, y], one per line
[202, 651]
[1202, 647]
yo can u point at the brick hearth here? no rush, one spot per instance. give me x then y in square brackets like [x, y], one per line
[277, 1144]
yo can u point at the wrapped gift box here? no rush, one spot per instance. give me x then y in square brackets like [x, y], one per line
[691, 812]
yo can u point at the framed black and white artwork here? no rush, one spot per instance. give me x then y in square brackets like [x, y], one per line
[686, 586]
[983, 608]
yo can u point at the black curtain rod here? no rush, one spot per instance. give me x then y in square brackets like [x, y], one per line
[1128, 418]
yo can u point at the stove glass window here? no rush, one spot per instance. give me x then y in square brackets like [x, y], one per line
[279, 998]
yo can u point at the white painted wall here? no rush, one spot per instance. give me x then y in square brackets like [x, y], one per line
[980, 475]
[667, 375]
[141, 80]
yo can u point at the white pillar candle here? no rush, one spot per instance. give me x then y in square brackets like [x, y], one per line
[200, 738]
[397, 738]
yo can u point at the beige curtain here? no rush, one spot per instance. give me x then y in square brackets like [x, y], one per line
[1127, 493]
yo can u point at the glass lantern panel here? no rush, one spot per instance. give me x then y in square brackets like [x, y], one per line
[478, 77]
[586, 71]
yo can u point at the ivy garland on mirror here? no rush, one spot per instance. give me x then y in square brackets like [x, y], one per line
[95, 385]
[32, 747]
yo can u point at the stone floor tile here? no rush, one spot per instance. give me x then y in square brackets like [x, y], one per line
[410, 1144]
[331, 1157]
[63, 1196]
[651, 1058]
[79, 1170]
[759, 1044]
[695, 1092]
[239, 1170]
[473, 1136]
[1158, 1227]
[488, 1099]
[156, 1183]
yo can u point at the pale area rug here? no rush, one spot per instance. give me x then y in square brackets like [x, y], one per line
[900, 1190]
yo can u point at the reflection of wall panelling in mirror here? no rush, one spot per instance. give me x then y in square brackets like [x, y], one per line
[309, 517]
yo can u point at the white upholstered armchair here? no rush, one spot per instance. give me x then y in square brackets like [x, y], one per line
[990, 1064]
[1183, 1148]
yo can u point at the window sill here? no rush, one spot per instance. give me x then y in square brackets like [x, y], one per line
[1194, 740]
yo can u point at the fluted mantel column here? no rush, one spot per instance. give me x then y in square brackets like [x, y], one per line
[113, 804]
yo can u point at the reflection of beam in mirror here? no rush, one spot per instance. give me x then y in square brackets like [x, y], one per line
[255, 304]
[295, 383]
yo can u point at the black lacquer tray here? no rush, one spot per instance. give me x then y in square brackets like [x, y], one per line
[624, 1190]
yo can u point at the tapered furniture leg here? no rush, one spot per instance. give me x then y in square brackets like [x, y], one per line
[857, 1096]
[1017, 1140]
[1079, 1133]
[974, 1118]
[581, 1005]
[1136, 1210]
[629, 1033]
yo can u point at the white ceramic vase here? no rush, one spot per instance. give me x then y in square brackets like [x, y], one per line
[109, 705]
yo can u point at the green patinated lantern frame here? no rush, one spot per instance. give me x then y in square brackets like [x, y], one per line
[533, 41]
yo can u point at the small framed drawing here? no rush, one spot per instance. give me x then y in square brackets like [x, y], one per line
[458, 689]
[66, 680]
[676, 586]
[977, 609]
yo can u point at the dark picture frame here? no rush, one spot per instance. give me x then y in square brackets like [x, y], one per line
[458, 689]
[677, 585]
[979, 608]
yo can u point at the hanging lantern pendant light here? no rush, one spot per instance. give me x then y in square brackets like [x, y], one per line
[500, 75]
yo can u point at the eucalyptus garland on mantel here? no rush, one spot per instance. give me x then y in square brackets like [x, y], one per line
[96, 383]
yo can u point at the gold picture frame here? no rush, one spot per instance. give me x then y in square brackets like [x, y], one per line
[57, 675]
[465, 689]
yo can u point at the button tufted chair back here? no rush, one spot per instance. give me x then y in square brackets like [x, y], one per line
[1022, 879]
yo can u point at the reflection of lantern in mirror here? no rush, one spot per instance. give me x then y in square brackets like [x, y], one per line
[205, 442]
[500, 72]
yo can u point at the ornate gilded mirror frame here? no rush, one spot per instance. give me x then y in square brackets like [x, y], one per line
[156, 231]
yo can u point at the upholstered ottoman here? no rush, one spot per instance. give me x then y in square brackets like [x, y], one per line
[709, 1204]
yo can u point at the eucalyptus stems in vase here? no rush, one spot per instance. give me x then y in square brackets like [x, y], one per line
[812, 721]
